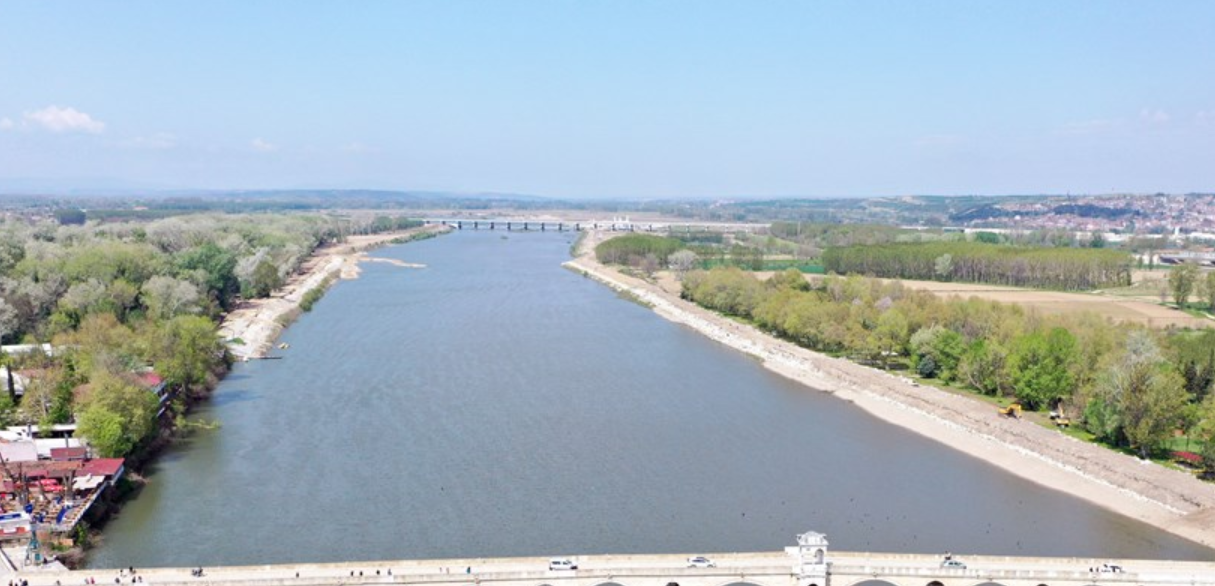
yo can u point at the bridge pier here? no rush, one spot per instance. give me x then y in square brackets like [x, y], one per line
[812, 568]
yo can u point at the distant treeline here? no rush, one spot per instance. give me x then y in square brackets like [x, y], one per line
[834, 234]
[629, 248]
[975, 262]
[764, 265]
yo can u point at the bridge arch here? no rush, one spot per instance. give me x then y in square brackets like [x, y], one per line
[874, 582]
[743, 582]
[935, 583]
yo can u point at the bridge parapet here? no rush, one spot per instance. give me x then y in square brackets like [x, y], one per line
[806, 564]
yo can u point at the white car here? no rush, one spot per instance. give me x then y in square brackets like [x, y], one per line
[953, 565]
[562, 564]
[701, 562]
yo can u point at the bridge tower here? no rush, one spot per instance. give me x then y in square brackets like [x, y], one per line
[812, 566]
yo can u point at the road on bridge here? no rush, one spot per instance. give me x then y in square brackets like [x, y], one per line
[659, 569]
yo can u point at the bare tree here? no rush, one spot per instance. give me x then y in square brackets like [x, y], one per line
[682, 261]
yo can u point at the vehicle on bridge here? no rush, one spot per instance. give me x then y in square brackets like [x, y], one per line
[700, 561]
[952, 564]
[562, 564]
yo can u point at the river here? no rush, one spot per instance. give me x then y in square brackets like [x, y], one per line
[496, 404]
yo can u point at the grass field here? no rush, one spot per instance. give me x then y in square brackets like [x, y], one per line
[1123, 308]
[1134, 309]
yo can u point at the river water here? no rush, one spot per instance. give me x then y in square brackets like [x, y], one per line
[495, 404]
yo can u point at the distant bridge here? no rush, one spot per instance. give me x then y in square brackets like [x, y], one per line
[618, 225]
[806, 564]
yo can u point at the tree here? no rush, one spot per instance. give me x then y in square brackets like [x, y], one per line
[983, 367]
[648, 264]
[1205, 433]
[790, 278]
[987, 237]
[942, 267]
[8, 321]
[166, 297]
[890, 334]
[186, 349]
[117, 415]
[85, 297]
[122, 295]
[1141, 398]
[218, 269]
[7, 410]
[1151, 415]
[265, 279]
[936, 352]
[1103, 419]
[1181, 283]
[682, 261]
[1040, 367]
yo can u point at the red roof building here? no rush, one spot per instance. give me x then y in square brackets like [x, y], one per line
[68, 454]
[111, 467]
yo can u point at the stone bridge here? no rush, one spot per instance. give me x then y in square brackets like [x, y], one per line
[807, 564]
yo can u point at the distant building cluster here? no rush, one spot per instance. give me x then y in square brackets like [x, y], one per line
[1167, 215]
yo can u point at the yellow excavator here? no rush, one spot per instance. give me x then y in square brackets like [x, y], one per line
[1012, 410]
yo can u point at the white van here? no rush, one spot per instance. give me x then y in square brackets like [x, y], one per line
[562, 564]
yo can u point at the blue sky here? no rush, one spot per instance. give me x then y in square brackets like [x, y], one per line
[611, 98]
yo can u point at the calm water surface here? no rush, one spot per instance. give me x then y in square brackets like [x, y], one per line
[495, 404]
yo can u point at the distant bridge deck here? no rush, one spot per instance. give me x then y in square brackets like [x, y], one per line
[760, 569]
[534, 225]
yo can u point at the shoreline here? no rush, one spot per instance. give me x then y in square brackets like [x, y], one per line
[251, 329]
[1170, 500]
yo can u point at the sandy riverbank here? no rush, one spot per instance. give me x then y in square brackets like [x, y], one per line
[1169, 499]
[255, 323]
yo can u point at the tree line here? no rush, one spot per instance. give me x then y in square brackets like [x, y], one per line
[977, 262]
[1129, 386]
[638, 250]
